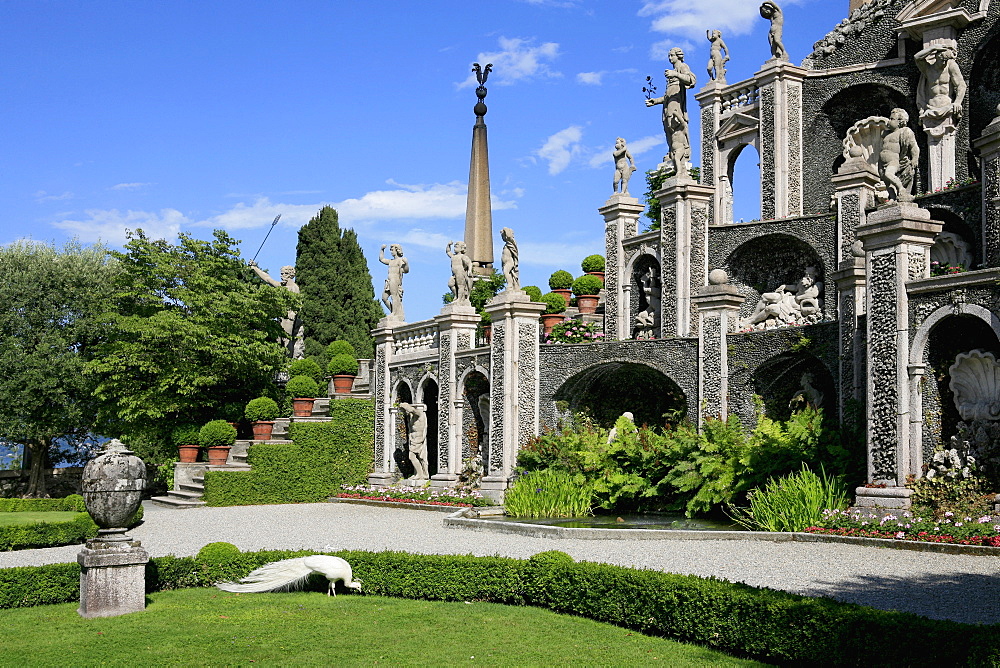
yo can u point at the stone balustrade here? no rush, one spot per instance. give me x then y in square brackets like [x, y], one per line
[742, 94]
[415, 337]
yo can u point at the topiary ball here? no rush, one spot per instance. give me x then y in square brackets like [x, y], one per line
[185, 434]
[306, 367]
[216, 553]
[302, 387]
[587, 285]
[534, 292]
[261, 409]
[340, 348]
[553, 303]
[217, 433]
[342, 365]
[560, 280]
[592, 263]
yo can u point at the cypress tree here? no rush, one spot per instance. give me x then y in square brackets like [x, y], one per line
[338, 301]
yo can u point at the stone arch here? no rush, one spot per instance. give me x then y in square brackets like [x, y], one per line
[475, 392]
[638, 269]
[744, 184]
[428, 393]
[762, 264]
[779, 379]
[954, 224]
[402, 391]
[608, 389]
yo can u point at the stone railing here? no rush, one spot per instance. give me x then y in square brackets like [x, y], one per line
[743, 94]
[416, 337]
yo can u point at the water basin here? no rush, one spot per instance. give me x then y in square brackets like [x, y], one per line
[647, 521]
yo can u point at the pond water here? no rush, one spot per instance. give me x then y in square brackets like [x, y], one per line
[645, 521]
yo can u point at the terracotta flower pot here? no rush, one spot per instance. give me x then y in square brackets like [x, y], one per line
[550, 320]
[303, 407]
[262, 430]
[587, 303]
[218, 454]
[343, 382]
[488, 333]
[188, 453]
[599, 274]
[566, 294]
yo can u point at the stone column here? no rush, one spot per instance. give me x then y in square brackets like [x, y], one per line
[710, 99]
[718, 305]
[112, 578]
[621, 215]
[897, 241]
[514, 407]
[780, 139]
[851, 280]
[855, 182]
[457, 327]
[988, 146]
[684, 210]
[385, 419]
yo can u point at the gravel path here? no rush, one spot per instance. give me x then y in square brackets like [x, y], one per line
[942, 586]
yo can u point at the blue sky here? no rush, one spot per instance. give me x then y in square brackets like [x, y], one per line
[187, 116]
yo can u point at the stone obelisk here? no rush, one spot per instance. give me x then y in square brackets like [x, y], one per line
[478, 213]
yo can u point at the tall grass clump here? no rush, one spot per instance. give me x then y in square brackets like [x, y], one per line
[548, 493]
[792, 503]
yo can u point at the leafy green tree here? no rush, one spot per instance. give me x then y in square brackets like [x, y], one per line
[194, 337]
[338, 301]
[50, 323]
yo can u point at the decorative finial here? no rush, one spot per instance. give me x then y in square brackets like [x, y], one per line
[482, 73]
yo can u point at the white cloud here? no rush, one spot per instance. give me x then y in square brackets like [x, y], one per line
[602, 156]
[109, 226]
[683, 18]
[590, 78]
[560, 148]
[661, 50]
[42, 196]
[518, 59]
[129, 186]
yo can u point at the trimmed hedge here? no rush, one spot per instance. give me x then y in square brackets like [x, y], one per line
[324, 456]
[67, 503]
[768, 625]
[52, 534]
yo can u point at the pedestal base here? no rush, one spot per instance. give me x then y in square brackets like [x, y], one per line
[380, 479]
[493, 488]
[112, 578]
[444, 480]
[882, 498]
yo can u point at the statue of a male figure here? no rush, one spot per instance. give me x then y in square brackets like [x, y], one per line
[624, 167]
[675, 116]
[716, 60]
[941, 90]
[772, 12]
[416, 419]
[899, 157]
[461, 279]
[392, 293]
[291, 323]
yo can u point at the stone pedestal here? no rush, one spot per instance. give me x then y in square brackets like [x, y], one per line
[621, 215]
[457, 326]
[684, 218]
[718, 307]
[514, 410]
[709, 99]
[855, 181]
[988, 146]
[897, 241]
[780, 86]
[385, 426]
[112, 578]
[940, 153]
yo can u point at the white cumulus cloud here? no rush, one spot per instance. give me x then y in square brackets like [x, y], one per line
[518, 59]
[590, 78]
[603, 155]
[560, 148]
[683, 18]
[109, 226]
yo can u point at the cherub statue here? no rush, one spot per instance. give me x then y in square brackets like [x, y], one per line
[624, 167]
[899, 157]
[460, 282]
[772, 12]
[675, 116]
[508, 259]
[716, 60]
[392, 293]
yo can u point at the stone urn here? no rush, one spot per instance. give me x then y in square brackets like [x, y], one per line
[112, 489]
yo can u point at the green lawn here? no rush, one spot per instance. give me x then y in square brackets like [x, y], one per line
[10, 519]
[210, 627]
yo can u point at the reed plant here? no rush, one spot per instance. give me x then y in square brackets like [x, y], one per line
[792, 503]
[549, 493]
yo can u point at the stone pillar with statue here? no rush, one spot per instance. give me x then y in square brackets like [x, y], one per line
[385, 418]
[718, 305]
[621, 220]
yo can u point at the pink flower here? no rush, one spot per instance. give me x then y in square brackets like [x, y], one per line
[900, 534]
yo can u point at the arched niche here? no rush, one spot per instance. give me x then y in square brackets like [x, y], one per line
[476, 414]
[743, 173]
[645, 297]
[402, 393]
[605, 391]
[429, 397]
[784, 381]
[984, 85]
[965, 238]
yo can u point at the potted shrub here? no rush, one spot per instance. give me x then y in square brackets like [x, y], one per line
[594, 265]
[560, 283]
[303, 391]
[185, 438]
[343, 366]
[262, 411]
[306, 367]
[534, 292]
[587, 288]
[217, 437]
[555, 306]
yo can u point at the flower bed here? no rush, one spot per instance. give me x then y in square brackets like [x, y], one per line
[404, 494]
[983, 530]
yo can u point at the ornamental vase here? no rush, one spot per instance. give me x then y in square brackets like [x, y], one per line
[112, 488]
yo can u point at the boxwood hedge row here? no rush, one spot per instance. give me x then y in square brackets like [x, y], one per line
[49, 534]
[769, 625]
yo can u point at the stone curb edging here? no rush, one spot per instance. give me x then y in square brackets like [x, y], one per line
[399, 504]
[461, 520]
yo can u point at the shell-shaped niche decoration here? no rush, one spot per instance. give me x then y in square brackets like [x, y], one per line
[864, 139]
[975, 383]
[951, 250]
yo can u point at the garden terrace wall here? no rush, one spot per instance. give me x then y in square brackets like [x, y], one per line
[58, 482]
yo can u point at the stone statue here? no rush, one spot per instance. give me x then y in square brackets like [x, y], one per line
[646, 320]
[392, 293]
[941, 89]
[807, 395]
[899, 157]
[772, 12]
[675, 116]
[791, 304]
[508, 259]
[726, 198]
[291, 323]
[461, 272]
[624, 167]
[716, 60]
[627, 420]
[416, 423]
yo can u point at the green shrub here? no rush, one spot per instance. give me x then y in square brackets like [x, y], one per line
[553, 303]
[575, 331]
[54, 534]
[302, 387]
[68, 503]
[592, 263]
[792, 503]
[262, 409]
[587, 285]
[340, 348]
[185, 434]
[548, 493]
[343, 364]
[306, 367]
[560, 280]
[533, 292]
[217, 433]
[323, 457]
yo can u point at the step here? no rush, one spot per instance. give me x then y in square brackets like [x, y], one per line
[191, 487]
[185, 495]
[177, 504]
